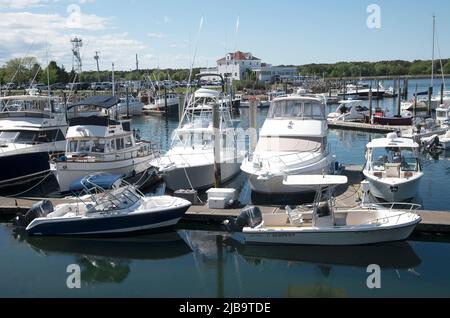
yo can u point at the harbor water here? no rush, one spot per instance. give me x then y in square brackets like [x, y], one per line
[196, 263]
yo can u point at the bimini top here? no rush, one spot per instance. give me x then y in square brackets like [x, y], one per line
[392, 141]
[103, 181]
[101, 101]
[206, 93]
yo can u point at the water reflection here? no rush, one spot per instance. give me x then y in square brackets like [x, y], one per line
[109, 260]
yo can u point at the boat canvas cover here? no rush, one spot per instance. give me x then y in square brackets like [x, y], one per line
[104, 181]
[285, 144]
[100, 101]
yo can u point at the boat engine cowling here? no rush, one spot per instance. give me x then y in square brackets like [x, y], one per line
[38, 210]
[249, 217]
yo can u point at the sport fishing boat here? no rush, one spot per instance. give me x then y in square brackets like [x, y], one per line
[393, 169]
[163, 104]
[349, 110]
[101, 144]
[32, 127]
[323, 224]
[106, 206]
[292, 141]
[189, 164]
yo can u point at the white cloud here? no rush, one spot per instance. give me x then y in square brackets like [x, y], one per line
[21, 4]
[157, 35]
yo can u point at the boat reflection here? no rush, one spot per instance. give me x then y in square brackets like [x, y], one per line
[109, 260]
[399, 255]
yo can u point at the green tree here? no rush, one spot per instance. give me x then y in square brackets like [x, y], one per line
[447, 68]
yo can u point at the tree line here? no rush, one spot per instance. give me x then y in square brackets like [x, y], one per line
[382, 68]
[27, 70]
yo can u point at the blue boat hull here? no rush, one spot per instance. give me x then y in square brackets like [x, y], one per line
[110, 226]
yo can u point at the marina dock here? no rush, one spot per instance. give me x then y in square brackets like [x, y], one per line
[381, 129]
[348, 196]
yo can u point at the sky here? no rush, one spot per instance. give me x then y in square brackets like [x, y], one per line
[179, 33]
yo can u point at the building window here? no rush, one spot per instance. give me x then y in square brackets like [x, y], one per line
[235, 74]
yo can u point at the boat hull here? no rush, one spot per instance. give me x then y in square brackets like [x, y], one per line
[67, 172]
[332, 237]
[111, 225]
[393, 121]
[391, 192]
[199, 177]
[274, 185]
[22, 168]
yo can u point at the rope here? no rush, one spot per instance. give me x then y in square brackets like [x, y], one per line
[32, 188]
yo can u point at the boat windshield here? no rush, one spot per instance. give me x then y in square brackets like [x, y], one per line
[297, 109]
[31, 137]
[121, 199]
[405, 158]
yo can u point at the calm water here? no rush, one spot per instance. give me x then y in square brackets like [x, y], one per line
[204, 264]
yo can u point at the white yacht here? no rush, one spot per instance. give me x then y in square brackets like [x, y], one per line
[100, 144]
[292, 141]
[157, 105]
[349, 110]
[189, 164]
[393, 169]
[31, 128]
[323, 224]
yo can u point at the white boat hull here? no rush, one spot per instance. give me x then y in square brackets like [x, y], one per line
[274, 184]
[68, 172]
[393, 192]
[332, 237]
[199, 177]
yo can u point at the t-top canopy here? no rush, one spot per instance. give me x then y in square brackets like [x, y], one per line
[103, 181]
[100, 101]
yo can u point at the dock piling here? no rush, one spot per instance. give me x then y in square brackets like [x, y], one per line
[217, 141]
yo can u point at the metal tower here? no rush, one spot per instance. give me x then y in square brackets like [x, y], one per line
[77, 43]
[97, 58]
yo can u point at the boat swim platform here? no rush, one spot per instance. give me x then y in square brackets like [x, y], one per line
[371, 128]
[347, 197]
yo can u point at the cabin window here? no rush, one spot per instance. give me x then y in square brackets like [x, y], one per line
[99, 146]
[26, 137]
[72, 146]
[113, 144]
[84, 146]
[299, 109]
[128, 142]
[8, 136]
[119, 144]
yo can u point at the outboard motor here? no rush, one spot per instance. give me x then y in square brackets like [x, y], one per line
[250, 217]
[38, 210]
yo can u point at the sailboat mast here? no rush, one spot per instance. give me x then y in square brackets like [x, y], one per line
[432, 63]
[113, 81]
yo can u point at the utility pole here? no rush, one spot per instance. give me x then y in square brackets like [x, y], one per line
[97, 58]
[137, 63]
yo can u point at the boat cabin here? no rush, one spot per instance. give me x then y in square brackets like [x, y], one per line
[393, 157]
[298, 108]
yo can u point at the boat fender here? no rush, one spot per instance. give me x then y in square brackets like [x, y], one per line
[38, 210]
[249, 217]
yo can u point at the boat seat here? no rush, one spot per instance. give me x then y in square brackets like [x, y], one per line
[393, 170]
[275, 219]
[295, 217]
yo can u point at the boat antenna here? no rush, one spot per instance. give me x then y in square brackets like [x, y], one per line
[192, 64]
[48, 77]
[432, 62]
[113, 81]
[238, 22]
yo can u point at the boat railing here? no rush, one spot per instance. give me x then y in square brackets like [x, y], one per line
[280, 160]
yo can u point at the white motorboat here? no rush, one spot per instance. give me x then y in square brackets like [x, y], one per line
[349, 110]
[130, 106]
[323, 224]
[292, 141]
[157, 105]
[189, 164]
[393, 169]
[31, 128]
[444, 141]
[100, 144]
[107, 206]
[443, 115]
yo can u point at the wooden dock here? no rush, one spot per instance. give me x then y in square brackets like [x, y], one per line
[381, 129]
[348, 196]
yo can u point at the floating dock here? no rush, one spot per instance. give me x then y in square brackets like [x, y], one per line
[371, 128]
[348, 196]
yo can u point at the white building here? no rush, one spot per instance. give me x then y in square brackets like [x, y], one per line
[235, 65]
